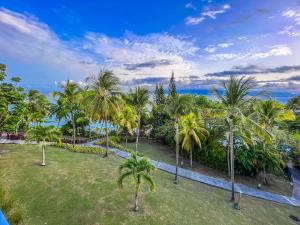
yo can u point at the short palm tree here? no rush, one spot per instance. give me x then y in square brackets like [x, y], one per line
[67, 103]
[235, 97]
[127, 120]
[140, 170]
[176, 107]
[43, 134]
[138, 99]
[103, 97]
[192, 132]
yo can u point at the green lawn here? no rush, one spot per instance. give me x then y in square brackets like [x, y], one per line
[81, 189]
[163, 153]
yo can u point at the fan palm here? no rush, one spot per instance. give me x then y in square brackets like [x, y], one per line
[103, 97]
[127, 120]
[193, 132]
[176, 107]
[140, 170]
[42, 134]
[234, 99]
[139, 99]
[67, 103]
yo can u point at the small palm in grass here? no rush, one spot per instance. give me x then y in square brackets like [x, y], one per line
[140, 170]
[42, 134]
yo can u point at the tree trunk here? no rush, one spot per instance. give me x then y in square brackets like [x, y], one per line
[231, 158]
[191, 154]
[74, 130]
[138, 131]
[126, 137]
[43, 155]
[137, 188]
[107, 140]
[177, 151]
[228, 156]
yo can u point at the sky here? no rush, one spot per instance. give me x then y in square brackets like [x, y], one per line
[202, 41]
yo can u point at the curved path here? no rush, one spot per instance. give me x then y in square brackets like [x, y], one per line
[215, 182]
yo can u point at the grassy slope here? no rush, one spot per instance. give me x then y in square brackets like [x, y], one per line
[81, 189]
[164, 154]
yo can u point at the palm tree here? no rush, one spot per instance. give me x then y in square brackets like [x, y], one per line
[176, 107]
[193, 131]
[234, 99]
[139, 99]
[42, 134]
[140, 170]
[268, 112]
[68, 103]
[103, 97]
[127, 120]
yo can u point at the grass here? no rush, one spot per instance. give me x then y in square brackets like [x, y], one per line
[81, 189]
[163, 153]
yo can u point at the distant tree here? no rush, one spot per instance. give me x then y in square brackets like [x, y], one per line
[138, 98]
[175, 108]
[172, 86]
[42, 134]
[2, 72]
[192, 133]
[103, 98]
[140, 171]
[159, 94]
[294, 104]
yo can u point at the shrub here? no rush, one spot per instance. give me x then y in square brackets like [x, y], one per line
[130, 139]
[80, 149]
[115, 139]
[115, 145]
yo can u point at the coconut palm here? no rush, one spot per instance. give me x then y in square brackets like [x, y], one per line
[268, 112]
[127, 120]
[192, 133]
[140, 170]
[67, 103]
[139, 99]
[43, 134]
[103, 97]
[235, 97]
[176, 107]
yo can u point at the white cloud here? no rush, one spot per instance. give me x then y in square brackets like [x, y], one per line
[210, 49]
[190, 5]
[212, 13]
[213, 48]
[225, 45]
[289, 30]
[194, 20]
[289, 13]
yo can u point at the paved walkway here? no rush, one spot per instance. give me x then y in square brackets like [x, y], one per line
[296, 180]
[215, 182]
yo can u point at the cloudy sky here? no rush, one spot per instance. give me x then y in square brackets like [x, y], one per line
[202, 41]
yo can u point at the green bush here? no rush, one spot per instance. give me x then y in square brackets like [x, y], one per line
[130, 139]
[115, 139]
[80, 149]
[115, 145]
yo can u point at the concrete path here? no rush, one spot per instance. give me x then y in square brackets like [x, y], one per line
[215, 182]
[296, 180]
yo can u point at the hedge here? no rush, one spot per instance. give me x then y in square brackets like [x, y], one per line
[80, 149]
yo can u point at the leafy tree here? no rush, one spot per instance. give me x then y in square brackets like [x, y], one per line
[140, 170]
[159, 94]
[234, 99]
[103, 98]
[172, 86]
[127, 120]
[294, 104]
[68, 103]
[176, 107]
[43, 134]
[138, 99]
[192, 133]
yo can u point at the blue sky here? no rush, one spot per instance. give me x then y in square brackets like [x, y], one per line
[202, 41]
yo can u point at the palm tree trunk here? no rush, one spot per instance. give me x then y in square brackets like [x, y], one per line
[136, 199]
[126, 137]
[191, 154]
[74, 130]
[43, 155]
[265, 180]
[228, 156]
[107, 140]
[138, 131]
[177, 151]
[231, 158]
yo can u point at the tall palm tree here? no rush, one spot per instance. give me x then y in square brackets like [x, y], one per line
[42, 134]
[140, 170]
[268, 112]
[235, 97]
[176, 107]
[127, 120]
[139, 99]
[67, 103]
[192, 133]
[103, 97]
